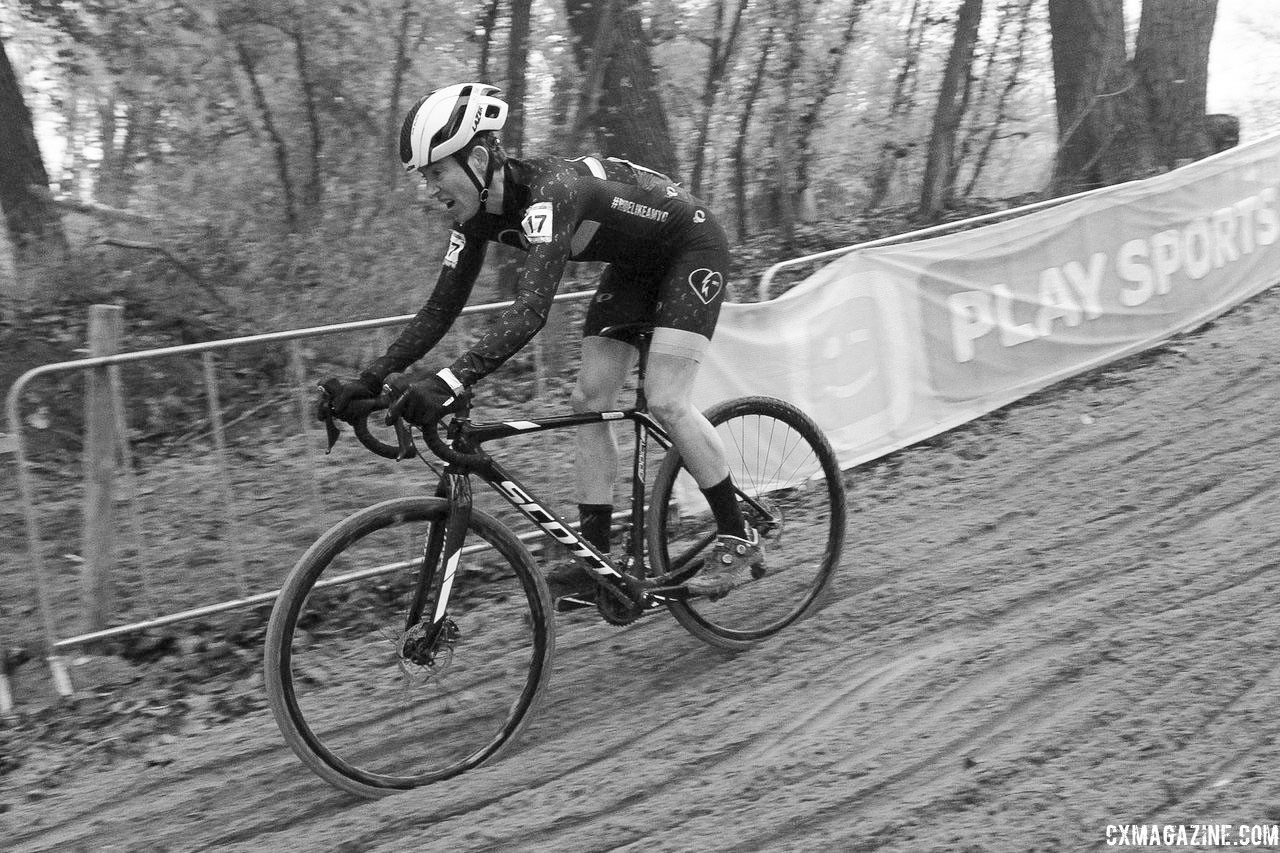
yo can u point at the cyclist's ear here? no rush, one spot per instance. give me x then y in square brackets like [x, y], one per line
[478, 158]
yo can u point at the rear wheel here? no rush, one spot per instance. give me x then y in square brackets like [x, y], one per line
[791, 491]
[377, 702]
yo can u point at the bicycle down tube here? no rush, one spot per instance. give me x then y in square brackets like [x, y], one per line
[520, 497]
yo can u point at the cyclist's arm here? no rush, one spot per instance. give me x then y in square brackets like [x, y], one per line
[549, 241]
[461, 266]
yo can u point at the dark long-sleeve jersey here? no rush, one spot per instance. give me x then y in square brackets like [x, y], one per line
[556, 210]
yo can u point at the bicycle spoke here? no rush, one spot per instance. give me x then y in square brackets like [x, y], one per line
[375, 702]
[792, 494]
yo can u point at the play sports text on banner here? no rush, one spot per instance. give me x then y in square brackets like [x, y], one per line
[889, 346]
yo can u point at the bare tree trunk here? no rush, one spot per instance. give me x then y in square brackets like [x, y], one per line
[1171, 58]
[277, 141]
[1013, 78]
[825, 86]
[486, 24]
[939, 173]
[517, 74]
[513, 133]
[901, 103]
[722, 48]
[593, 62]
[117, 171]
[630, 121]
[744, 124]
[313, 190]
[109, 166]
[34, 228]
[784, 133]
[1100, 128]
[394, 115]
[69, 176]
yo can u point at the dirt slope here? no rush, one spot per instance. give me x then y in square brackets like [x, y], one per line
[1062, 617]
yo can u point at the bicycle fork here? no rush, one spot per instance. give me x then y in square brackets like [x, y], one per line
[427, 634]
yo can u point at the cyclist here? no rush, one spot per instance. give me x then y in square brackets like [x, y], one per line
[667, 260]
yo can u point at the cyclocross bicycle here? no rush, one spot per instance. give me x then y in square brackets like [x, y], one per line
[411, 641]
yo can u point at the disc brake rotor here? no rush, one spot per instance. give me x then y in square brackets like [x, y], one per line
[425, 649]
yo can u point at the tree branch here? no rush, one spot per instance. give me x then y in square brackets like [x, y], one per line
[183, 267]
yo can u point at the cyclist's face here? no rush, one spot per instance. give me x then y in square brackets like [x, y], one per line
[450, 186]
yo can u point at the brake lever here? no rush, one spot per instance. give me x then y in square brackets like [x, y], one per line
[332, 432]
[393, 387]
[331, 429]
[404, 435]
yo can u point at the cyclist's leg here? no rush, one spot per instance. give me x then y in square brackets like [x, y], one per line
[689, 297]
[605, 365]
[601, 373]
[674, 358]
[685, 317]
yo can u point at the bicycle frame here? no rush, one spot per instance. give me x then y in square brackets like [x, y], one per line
[626, 584]
[455, 485]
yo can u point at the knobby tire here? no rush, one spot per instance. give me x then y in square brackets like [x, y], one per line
[350, 687]
[780, 457]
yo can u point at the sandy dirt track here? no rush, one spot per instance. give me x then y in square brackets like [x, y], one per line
[1062, 617]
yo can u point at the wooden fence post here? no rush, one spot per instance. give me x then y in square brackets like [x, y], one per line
[98, 548]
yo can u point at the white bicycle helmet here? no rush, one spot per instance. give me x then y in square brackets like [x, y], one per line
[445, 121]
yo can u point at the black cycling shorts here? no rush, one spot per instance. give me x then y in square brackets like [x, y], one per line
[685, 294]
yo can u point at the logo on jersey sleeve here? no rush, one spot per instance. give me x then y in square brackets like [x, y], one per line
[513, 237]
[456, 244]
[706, 283]
[537, 225]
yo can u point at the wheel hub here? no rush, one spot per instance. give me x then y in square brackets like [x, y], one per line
[429, 645]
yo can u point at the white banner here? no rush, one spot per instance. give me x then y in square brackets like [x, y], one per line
[889, 346]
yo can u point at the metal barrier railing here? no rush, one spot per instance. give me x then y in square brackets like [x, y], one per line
[762, 289]
[55, 645]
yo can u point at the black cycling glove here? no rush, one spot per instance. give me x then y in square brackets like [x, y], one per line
[338, 395]
[422, 401]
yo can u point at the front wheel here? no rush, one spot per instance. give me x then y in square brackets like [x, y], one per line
[376, 700]
[791, 491]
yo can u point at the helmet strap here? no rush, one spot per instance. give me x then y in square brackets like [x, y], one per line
[482, 186]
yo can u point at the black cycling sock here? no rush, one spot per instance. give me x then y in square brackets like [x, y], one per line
[595, 522]
[725, 508]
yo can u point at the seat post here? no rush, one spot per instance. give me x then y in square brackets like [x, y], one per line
[642, 334]
[642, 342]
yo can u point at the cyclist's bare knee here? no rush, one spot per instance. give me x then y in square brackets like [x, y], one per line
[673, 365]
[669, 405]
[593, 395]
[604, 368]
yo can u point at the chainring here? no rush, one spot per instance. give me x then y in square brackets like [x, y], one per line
[615, 611]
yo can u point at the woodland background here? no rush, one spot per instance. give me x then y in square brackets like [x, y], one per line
[229, 167]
